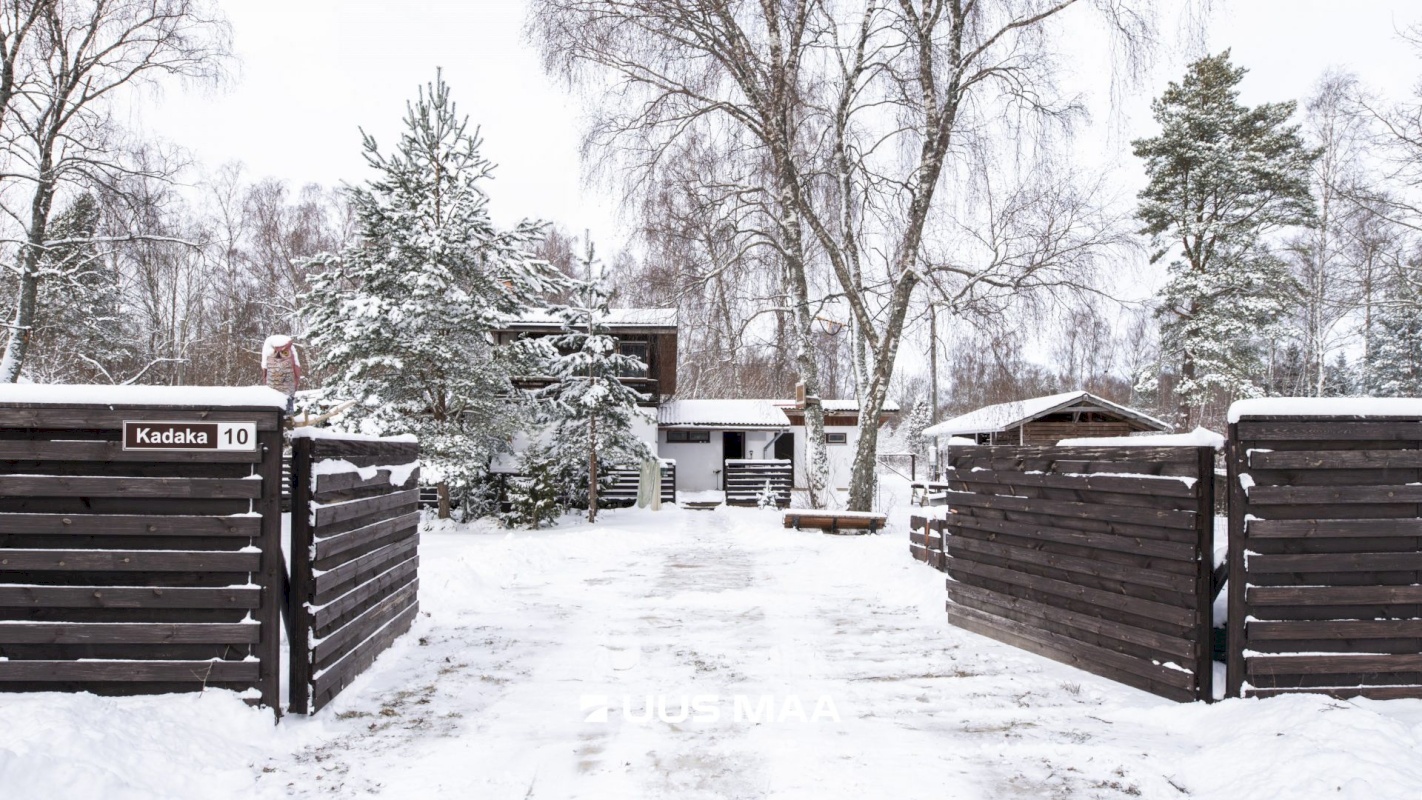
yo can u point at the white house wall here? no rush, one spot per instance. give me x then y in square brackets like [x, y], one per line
[698, 464]
[841, 456]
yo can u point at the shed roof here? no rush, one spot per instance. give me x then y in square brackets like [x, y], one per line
[754, 414]
[1005, 416]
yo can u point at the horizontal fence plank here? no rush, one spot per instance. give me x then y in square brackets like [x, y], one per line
[1345, 692]
[1328, 430]
[1172, 519]
[1332, 595]
[1329, 495]
[1133, 545]
[106, 418]
[111, 451]
[350, 450]
[1331, 528]
[246, 526]
[182, 488]
[129, 671]
[960, 454]
[1333, 664]
[129, 561]
[129, 633]
[341, 512]
[332, 483]
[18, 596]
[1334, 562]
[1335, 459]
[1151, 486]
[1272, 630]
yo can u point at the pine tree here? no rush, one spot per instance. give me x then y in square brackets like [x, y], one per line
[588, 410]
[403, 318]
[1222, 176]
[1394, 357]
[919, 418]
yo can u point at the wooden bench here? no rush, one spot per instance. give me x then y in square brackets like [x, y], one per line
[835, 521]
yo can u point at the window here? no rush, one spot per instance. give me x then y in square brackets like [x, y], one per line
[688, 437]
[637, 350]
[836, 438]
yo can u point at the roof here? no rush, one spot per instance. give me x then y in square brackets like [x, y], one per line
[616, 318]
[1004, 416]
[761, 414]
[841, 406]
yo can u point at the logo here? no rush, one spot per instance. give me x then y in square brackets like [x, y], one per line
[707, 708]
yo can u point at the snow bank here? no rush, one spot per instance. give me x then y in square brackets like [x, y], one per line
[1326, 407]
[1200, 437]
[104, 395]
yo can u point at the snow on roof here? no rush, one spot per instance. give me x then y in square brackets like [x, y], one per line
[1001, 417]
[1200, 437]
[721, 414]
[75, 394]
[1326, 407]
[616, 318]
[838, 406]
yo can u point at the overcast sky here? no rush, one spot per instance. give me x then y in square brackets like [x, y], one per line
[312, 72]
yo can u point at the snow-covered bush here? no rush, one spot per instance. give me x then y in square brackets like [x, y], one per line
[533, 494]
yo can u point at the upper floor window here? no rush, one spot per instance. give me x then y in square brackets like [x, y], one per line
[637, 350]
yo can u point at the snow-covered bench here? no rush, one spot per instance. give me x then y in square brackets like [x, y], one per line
[835, 521]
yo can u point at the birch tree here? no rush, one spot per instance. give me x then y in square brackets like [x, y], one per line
[855, 109]
[62, 63]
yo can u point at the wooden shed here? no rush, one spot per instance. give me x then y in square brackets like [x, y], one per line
[1048, 420]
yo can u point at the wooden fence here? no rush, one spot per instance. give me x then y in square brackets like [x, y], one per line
[1097, 557]
[745, 479]
[1325, 556]
[627, 481]
[129, 571]
[354, 559]
[926, 541]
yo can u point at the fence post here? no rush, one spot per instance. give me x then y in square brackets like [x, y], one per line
[1234, 663]
[1204, 575]
[301, 577]
[269, 615]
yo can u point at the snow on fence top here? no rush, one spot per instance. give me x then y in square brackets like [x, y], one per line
[309, 432]
[76, 394]
[1326, 407]
[721, 414]
[1200, 437]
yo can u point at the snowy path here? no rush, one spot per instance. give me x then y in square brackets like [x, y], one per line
[485, 699]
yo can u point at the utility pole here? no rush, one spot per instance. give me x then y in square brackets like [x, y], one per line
[933, 387]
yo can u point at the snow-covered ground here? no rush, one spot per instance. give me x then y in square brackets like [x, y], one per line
[529, 672]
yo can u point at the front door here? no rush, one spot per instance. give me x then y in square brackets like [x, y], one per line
[785, 449]
[733, 445]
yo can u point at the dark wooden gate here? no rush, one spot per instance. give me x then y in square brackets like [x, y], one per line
[354, 558]
[1325, 556]
[136, 571]
[1098, 557]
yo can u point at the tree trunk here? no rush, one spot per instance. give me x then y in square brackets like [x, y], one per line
[27, 298]
[442, 491]
[592, 469]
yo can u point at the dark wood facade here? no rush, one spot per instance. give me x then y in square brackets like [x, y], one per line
[657, 346]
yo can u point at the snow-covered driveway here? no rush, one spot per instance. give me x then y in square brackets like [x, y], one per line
[709, 654]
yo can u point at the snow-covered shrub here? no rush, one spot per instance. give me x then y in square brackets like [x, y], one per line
[533, 494]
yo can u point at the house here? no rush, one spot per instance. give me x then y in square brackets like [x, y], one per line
[649, 334]
[1047, 420]
[701, 434]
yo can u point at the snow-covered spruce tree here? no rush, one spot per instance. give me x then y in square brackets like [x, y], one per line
[1394, 355]
[1222, 177]
[402, 318]
[920, 417]
[533, 494]
[588, 411]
